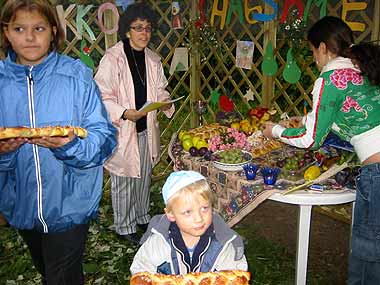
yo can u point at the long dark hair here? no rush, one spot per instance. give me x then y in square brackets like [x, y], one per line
[8, 12]
[339, 39]
[140, 10]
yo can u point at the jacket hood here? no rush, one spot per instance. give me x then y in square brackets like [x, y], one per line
[339, 63]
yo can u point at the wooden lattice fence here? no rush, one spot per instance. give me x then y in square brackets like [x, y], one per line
[212, 52]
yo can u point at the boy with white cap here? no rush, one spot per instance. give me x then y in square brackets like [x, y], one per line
[189, 237]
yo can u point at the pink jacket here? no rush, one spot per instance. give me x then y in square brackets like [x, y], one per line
[116, 86]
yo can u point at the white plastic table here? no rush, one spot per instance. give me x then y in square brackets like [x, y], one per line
[306, 201]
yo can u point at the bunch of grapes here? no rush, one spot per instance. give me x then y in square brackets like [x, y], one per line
[232, 156]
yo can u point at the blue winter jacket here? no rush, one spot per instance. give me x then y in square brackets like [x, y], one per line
[51, 190]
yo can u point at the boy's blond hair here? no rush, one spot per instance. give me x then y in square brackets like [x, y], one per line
[201, 188]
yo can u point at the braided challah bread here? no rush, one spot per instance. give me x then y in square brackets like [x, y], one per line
[25, 132]
[227, 277]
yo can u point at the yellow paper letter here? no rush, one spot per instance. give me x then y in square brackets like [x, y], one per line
[216, 12]
[248, 11]
[353, 6]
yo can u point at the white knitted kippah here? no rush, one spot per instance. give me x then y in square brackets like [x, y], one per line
[178, 180]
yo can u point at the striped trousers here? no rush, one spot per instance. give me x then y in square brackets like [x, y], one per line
[130, 196]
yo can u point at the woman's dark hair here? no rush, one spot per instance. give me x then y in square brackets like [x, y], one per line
[339, 39]
[141, 11]
[8, 12]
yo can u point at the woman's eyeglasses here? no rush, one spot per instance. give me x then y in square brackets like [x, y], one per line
[139, 29]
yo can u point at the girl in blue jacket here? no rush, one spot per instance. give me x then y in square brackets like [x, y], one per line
[50, 187]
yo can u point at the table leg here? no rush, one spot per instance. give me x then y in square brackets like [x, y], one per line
[303, 243]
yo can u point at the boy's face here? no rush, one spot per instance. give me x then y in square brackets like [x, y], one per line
[193, 216]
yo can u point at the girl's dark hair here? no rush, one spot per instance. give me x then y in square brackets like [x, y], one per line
[8, 12]
[141, 11]
[339, 39]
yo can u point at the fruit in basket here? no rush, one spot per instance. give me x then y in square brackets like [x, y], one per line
[201, 143]
[312, 173]
[181, 134]
[235, 125]
[186, 136]
[208, 155]
[202, 151]
[193, 151]
[195, 139]
[187, 144]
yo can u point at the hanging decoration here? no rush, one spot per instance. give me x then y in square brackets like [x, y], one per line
[180, 60]
[292, 72]
[101, 10]
[214, 98]
[237, 7]
[81, 23]
[124, 3]
[85, 55]
[244, 54]
[226, 103]
[269, 65]
[249, 95]
[267, 17]
[202, 17]
[176, 16]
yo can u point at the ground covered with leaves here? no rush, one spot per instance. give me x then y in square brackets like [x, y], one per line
[269, 233]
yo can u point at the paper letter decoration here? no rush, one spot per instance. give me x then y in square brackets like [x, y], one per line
[353, 6]
[102, 8]
[248, 11]
[81, 12]
[62, 14]
[216, 12]
[235, 5]
[319, 3]
[267, 17]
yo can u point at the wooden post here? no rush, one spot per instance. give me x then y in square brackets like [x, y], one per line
[195, 65]
[269, 35]
[376, 22]
[109, 22]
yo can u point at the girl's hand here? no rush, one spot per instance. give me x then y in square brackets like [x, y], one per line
[267, 129]
[133, 115]
[10, 145]
[53, 142]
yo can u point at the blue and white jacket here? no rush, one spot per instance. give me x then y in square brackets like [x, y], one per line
[51, 190]
[163, 250]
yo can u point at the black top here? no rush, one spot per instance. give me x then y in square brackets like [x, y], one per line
[136, 61]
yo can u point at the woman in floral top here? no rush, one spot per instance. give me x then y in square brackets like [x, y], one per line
[346, 101]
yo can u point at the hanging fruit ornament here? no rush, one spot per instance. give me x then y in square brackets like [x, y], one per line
[269, 65]
[292, 72]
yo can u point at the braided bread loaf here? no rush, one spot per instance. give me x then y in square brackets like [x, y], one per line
[25, 132]
[227, 277]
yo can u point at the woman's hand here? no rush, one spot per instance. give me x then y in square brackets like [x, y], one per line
[166, 107]
[10, 145]
[133, 115]
[53, 142]
[267, 129]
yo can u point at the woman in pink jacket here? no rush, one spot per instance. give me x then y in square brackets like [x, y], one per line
[129, 75]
